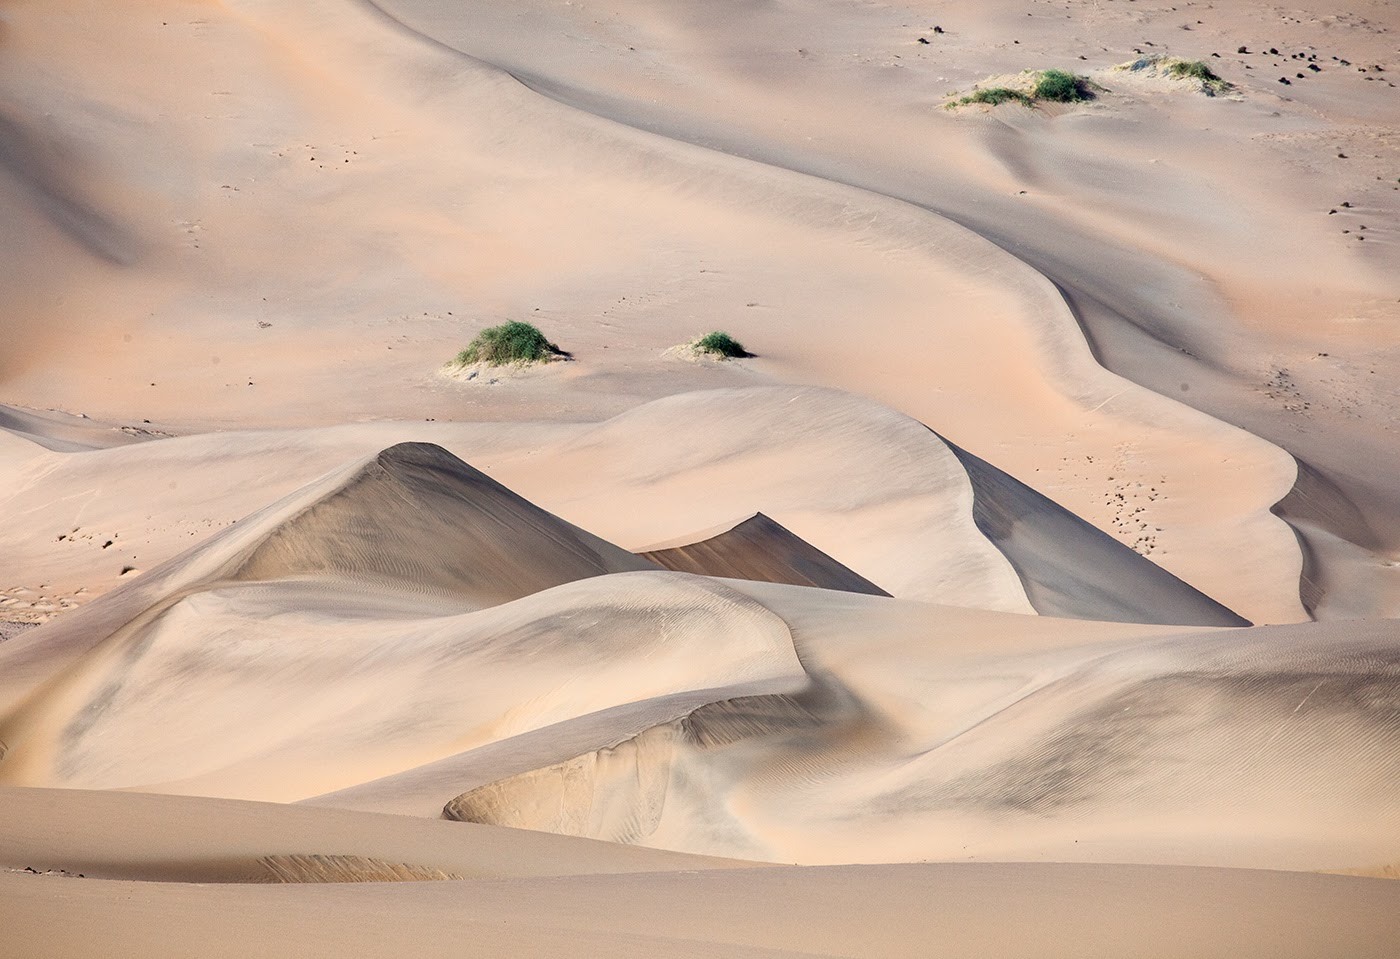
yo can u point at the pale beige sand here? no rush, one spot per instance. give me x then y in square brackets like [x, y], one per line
[876, 911]
[287, 658]
[238, 241]
[153, 838]
[1190, 235]
[453, 183]
[1273, 748]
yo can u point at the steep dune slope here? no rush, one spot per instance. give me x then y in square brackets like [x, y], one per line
[411, 521]
[760, 549]
[419, 519]
[1103, 580]
[874, 490]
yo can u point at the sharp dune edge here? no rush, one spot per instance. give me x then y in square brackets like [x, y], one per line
[1029, 589]
[758, 548]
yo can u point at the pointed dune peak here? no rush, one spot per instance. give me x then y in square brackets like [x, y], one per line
[417, 517]
[410, 530]
[763, 550]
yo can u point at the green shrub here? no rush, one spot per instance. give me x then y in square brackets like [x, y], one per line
[512, 342]
[995, 96]
[720, 344]
[1061, 87]
[1056, 85]
[1210, 82]
[1192, 68]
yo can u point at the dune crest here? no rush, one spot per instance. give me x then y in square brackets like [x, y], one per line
[1030, 587]
[761, 549]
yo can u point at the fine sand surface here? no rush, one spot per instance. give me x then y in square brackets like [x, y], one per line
[1030, 588]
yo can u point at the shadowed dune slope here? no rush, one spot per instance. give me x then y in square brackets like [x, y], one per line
[1070, 568]
[419, 518]
[873, 489]
[366, 641]
[760, 549]
[931, 735]
[412, 522]
[284, 690]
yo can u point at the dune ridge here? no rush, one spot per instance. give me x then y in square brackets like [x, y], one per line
[759, 548]
[789, 706]
[1028, 587]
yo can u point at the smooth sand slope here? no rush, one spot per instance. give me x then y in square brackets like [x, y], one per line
[897, 911]
[1158, 213]
[925, 628]
[954, 740]
[286, 659]
[874, 490]
[435, 192]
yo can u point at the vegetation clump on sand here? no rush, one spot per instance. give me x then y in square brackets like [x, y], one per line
[720, 344]
[512, 342]
[1061, 86]
[1031, 87]
[995, 96]
[1174, 68]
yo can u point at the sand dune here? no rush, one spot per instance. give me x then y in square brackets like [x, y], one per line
[411, 519]
[903, 911]
[943, 591]
[409, 111]
[1104, 581]
[972, 747]
[287, 659]
[1257, 331]
[874, 490]
[760, 549]
[153, 838]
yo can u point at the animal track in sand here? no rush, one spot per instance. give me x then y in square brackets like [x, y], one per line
[1281, 386]
[1129, 501]
[34, 605]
